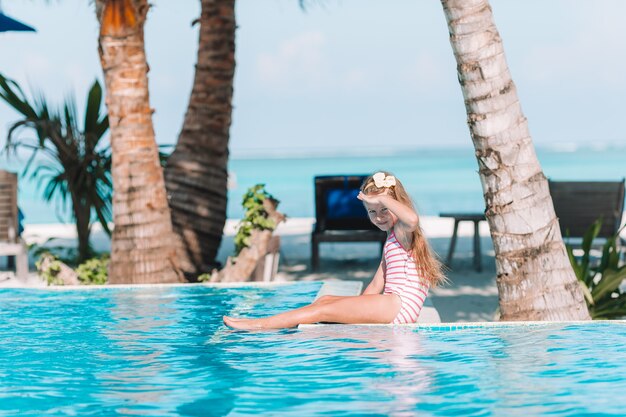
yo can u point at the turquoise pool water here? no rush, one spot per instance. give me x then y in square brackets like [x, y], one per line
[164, 352]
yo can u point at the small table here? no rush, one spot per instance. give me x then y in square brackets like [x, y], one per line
[470, 217]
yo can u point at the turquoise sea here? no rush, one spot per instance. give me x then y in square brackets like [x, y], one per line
[437, 179]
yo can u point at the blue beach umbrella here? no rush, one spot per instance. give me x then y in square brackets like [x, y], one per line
[9, 24]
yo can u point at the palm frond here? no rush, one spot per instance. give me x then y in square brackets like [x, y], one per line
[11, 92]
[70, 166]
[92, 112]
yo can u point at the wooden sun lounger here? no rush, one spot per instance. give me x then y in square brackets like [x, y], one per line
[578, 204]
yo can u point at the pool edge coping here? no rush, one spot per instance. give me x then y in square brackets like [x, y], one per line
[329, 287]
[470, 324]
[177, 285]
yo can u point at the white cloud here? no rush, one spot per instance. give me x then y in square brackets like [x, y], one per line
[594, 50]
[428, 74]
[356, 79]
[299, 62]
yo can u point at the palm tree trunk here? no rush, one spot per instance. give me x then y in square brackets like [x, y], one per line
[196, 172]
[143, 246]
[82, 214]
[534, 277]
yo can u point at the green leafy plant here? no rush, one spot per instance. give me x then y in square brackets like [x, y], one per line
[94, 271]
[51, 273]
[255, 217]
[71, 161]
[600, 280]
[206, 277]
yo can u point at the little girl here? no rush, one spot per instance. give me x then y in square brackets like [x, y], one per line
[406, 270]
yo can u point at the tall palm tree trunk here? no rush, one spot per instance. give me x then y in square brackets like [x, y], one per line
[534, 277]
[82, 215]
[143, 248]
[196, 172]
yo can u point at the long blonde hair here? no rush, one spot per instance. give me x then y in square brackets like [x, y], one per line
[422, 253]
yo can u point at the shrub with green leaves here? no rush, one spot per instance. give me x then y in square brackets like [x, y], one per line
[51, 273]
[94, 271]
[255, 217]
[204, 277]
[601, 279]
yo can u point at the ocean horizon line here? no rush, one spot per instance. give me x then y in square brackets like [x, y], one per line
[386, 151]
[17, 162]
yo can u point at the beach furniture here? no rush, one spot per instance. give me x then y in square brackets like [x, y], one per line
[476, 218]
[580, 203]
[339, 215]
[11, 244]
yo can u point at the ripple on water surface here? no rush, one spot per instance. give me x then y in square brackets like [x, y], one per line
[164, 351]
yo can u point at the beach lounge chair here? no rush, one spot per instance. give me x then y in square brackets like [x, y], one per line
[11, 244]
[339, 215]
[580, 203]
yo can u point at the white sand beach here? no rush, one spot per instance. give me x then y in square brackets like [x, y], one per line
[470, 296]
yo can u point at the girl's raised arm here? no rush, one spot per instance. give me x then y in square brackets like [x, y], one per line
[405, 214]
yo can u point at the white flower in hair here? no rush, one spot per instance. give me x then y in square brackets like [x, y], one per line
[383, 181]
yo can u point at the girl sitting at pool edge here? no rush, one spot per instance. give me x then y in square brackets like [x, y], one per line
[396, 293]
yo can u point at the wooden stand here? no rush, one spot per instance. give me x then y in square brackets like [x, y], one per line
[476, 218]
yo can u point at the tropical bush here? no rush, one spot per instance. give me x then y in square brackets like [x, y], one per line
[72, 162]
[94, 271]
[55, 271]
[601, 278]
[51, 272]
[255, 217]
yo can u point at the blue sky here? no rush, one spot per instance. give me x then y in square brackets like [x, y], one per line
[347, 74]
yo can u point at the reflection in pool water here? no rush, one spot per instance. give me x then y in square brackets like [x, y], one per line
[164, 351]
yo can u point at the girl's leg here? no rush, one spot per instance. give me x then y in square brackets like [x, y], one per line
[371, 308]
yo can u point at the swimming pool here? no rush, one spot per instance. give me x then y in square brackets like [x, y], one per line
[163, 351]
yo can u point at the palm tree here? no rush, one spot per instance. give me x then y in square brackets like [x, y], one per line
[196, 172]
[69, 159]
[534, 277]
[144, 246]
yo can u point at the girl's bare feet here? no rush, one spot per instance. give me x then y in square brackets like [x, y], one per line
[245, 324]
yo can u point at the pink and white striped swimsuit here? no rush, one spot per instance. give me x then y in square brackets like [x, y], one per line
[403, 279]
